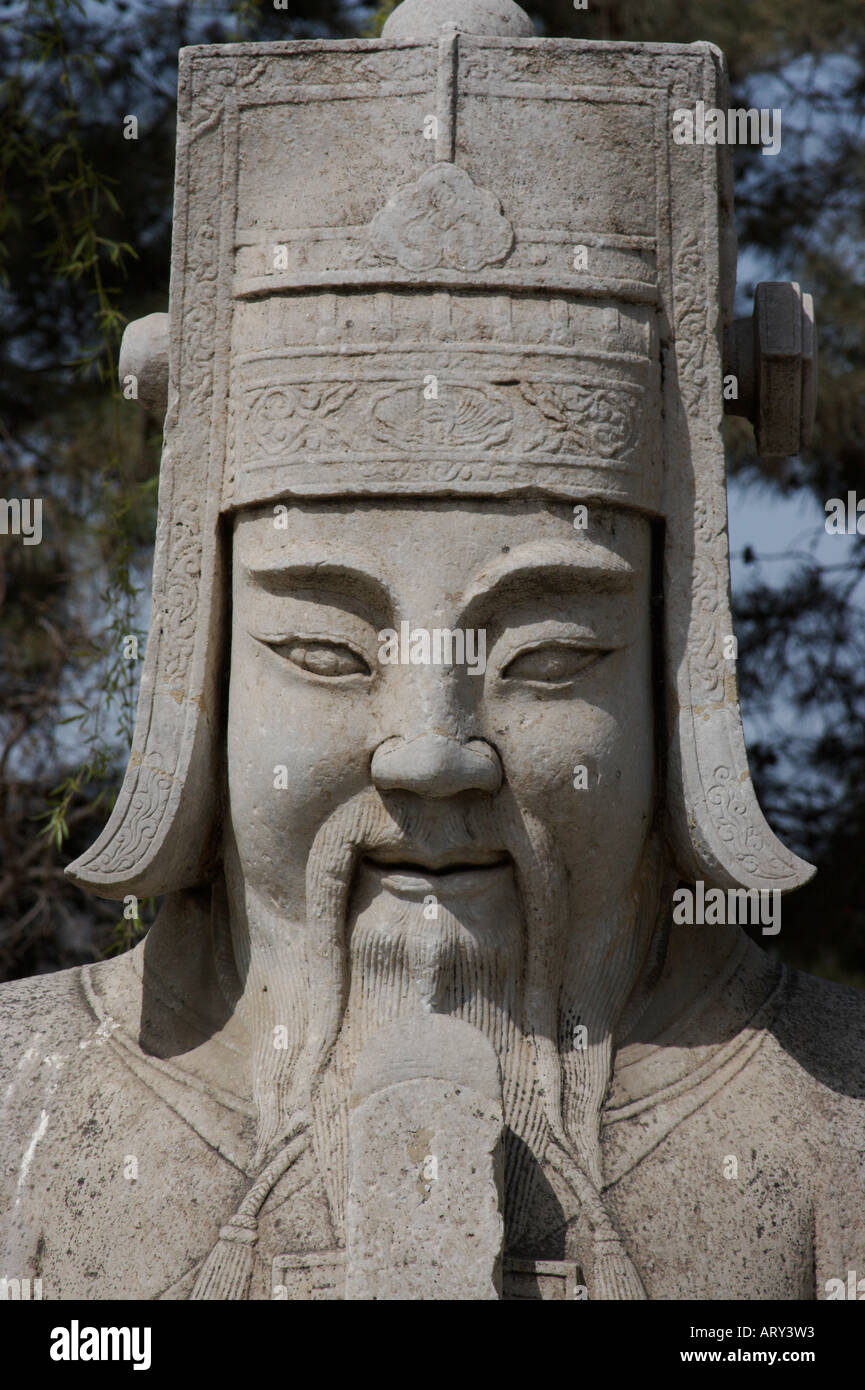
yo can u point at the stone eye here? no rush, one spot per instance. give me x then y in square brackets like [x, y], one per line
[324, 658]
[551, 664]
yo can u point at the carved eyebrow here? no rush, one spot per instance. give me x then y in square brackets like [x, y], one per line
[530, 569]
[343, 579]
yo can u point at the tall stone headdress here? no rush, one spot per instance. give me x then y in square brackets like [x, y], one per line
[510, 216]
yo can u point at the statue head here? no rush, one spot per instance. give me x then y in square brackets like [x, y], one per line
[436, 685]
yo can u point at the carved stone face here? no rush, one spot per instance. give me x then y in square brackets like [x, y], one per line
[316, 718]
[427, 834]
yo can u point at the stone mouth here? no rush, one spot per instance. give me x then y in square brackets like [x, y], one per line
[454, 861]
[457, 876]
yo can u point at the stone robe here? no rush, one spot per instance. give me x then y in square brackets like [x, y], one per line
[733, 1142]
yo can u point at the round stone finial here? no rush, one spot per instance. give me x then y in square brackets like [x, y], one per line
[425, 19]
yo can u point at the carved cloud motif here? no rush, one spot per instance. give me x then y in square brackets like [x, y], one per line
[442, 221]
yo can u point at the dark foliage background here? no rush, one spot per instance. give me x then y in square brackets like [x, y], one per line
[85, 223]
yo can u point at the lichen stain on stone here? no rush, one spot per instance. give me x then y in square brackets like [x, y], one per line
[417, 1149]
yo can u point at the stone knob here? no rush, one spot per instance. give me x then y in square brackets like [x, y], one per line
[420, 19]
[773, 355]
[144, 356]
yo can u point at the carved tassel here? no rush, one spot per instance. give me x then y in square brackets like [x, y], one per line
[609, 1271]
[227, 1271]
[613, 1273]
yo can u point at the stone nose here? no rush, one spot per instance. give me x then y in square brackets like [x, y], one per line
[435, 765]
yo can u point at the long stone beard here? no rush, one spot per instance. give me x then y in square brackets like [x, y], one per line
[465, 961]
[526, 969]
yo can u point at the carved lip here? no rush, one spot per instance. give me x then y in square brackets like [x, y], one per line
[462, 857]
[456, 874]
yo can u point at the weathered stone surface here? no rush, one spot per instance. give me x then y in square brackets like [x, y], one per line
[424, 1218]
[144, 359]
[417, 19]
[442, 452]
[773, 357]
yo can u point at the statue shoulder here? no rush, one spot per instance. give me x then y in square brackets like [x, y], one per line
[822, 1028]
[41, 1014]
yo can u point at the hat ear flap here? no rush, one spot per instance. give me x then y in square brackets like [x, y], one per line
[717, 829]
[161, 835]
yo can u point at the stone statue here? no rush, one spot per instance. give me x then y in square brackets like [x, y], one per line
[438, 720]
